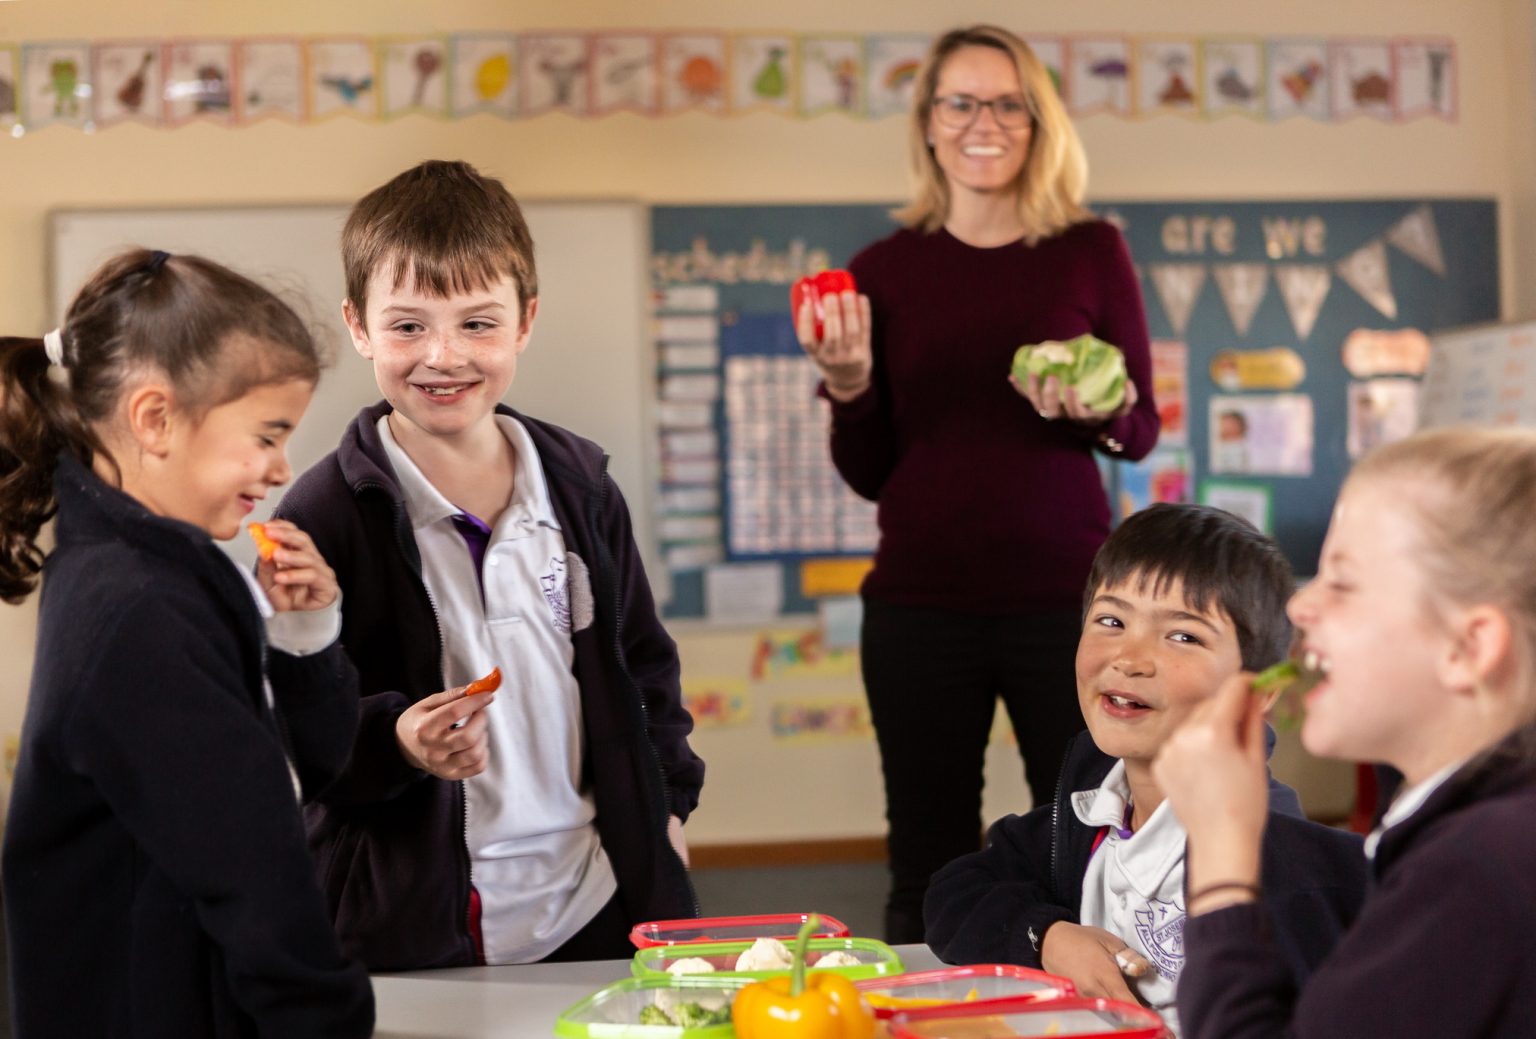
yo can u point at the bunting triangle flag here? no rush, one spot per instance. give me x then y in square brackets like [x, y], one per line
[1243, 286]
[1365, 270]
[1415, 235]
[1178, 287]
[1303, 286]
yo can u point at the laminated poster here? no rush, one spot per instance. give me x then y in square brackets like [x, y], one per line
[1165, 81]
[56, 85]
[890, 66]
[832, 74]
[624, 73]
[272, 78]
[127, 83]
[1233, 77]
[1170, 388]
[415, 73]
[1251, 501]
[1261, 435]
[555, 70]
[1381, 411]
[693, 73]
[1098, 77]
[800, 653]
[1297, 71]
[342, 78]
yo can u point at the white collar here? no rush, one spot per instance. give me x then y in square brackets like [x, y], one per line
[425, 504]
[1407, 802]
[263, 604]
[1147, 856]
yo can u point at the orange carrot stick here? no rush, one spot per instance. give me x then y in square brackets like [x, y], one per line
[489, 684]
[266, 548]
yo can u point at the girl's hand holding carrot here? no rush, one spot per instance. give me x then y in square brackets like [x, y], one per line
[291, 569]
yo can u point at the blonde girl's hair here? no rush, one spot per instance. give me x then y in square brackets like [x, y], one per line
[215, 334]
[1472, 495]
[1054, 179]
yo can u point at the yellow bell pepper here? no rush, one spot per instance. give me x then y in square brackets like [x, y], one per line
[826, 1006]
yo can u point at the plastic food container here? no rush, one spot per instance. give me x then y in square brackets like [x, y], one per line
[875, 958]
[782, 926]
[614, 1012]
[1077, 1018]
[967, 986]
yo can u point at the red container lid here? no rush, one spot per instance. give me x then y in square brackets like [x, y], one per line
[1075, 1018]
[783, 926]
[968, 986]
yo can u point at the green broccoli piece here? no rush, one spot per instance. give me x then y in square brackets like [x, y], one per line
[696, 1015]
[654, 1015]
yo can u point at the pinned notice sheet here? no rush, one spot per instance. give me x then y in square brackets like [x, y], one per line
[743, 593]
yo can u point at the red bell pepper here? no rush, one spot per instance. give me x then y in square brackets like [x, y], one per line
[827, 283]
[266, 548]
[489, 684]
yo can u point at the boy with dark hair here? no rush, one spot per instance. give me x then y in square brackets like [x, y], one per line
[1092, 886]
[542, 821]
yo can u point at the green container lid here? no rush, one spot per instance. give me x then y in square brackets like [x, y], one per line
[874, 959]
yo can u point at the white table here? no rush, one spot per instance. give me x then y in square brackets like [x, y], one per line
[509, 1002]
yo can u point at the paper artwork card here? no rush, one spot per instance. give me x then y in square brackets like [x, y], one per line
[1381, 411]
[1232, 74]
[1362, 79]
[624, 73]
[1099, 76]
[415, 76]
[1167, 77]
[1261, 435]
[891, 64]
[200, 81]
[1426, 78]
[831, 74]
[1297, 71]
[56, 85]
[764, 73]
[556, 74]
[10, 89]
[271, 78]
[343, 78]
[127, 82]
[483, 74]
[693, 74]
[1250, 501]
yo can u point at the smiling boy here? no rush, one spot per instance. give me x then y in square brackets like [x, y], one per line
[539, 822]
[1091, 887]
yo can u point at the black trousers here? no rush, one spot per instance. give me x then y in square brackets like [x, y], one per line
[933, 678]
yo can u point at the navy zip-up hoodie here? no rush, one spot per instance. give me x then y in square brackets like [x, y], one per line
[994, 906]
[156, 878]
[388, 838]
[1441, 947]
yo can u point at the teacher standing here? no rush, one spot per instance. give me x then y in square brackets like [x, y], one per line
[991, 505]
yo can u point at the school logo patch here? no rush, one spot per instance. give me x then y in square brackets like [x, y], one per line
[1160, 926]
[557, 594]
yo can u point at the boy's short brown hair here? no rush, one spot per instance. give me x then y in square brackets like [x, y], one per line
[1215, 557]
[443, 226]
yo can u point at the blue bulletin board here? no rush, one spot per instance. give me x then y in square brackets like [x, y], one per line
[1313, 316]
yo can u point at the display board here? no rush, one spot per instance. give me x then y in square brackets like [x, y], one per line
[1288, 338]
[585, 366]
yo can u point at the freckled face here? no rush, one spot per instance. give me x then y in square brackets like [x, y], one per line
[442, 363]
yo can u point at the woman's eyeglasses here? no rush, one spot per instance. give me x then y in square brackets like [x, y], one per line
[959, 111]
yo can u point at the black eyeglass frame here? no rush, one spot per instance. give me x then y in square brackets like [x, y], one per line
[940, 106]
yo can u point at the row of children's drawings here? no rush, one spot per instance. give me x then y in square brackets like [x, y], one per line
[169, 83]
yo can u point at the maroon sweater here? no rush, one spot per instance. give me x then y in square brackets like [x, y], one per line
[984, 506]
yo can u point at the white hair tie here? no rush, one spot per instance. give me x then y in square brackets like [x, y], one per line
[53, 344]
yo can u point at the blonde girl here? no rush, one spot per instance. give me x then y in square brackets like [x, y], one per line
[1422, 626]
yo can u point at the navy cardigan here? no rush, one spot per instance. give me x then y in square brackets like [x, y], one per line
[389, 838]
[156, 878]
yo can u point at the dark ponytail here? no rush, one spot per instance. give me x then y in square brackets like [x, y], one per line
[213, 333]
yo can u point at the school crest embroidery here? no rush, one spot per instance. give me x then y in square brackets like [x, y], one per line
[567, 588]
[1160, 926]
[557, 594]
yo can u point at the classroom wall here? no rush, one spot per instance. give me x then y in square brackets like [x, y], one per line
[1490, 151]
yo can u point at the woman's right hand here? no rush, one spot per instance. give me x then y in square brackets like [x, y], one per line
[445, 733]
[842, 355]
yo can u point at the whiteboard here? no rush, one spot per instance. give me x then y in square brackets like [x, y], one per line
[587, 365]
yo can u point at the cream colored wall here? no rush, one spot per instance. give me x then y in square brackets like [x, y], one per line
[764, 158]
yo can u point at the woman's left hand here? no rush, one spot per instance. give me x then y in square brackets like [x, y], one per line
[1054, 401]
[1213, 771]
[297, 576]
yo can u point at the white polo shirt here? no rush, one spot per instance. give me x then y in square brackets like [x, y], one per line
[534, 852]
[1134, 887]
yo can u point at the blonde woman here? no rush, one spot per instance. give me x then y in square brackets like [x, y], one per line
[991, 505]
